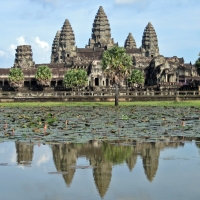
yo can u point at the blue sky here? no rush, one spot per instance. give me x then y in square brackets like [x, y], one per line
[35, 22]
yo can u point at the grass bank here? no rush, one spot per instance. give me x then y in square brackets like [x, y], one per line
[145, 103]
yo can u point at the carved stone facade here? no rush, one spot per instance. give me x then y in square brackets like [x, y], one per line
[150, 41]
[157, 69]
[64, 44]
[130, 42]
[101, 32]
[23, 57]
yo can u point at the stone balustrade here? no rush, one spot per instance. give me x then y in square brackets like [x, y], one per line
[109, 93]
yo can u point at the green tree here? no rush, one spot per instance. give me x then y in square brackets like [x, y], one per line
[43, 75]
[116, 154]
[16, 78]
[136, 77]
[116, 64]
[197, 63]
[75, 78]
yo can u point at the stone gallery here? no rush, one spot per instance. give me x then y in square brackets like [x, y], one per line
[159, 71]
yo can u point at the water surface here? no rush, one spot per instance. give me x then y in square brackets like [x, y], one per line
[96, 170]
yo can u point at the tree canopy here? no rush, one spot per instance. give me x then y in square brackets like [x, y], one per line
[136, 77]
[116, 63]
[75, 78]
[116, 154]
[16, 78]
[197, 63]
[43, 75]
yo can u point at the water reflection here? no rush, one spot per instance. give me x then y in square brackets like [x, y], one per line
[102, 156]
[65, 156]
[24, 153]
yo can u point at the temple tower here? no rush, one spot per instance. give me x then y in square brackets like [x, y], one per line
[55, 46]
[66, 48]
[23, 57]
[101, 32]
[150, 157]
[130, 42]
[24, 153]
[150, 42]
[64, 156]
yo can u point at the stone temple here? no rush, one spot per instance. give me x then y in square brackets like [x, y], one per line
[165, 72]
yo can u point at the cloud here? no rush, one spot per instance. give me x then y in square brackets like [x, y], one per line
[12, 48]
[42, 44]
[21, 40]
[2, 53]
[13, 157]
[43, 159]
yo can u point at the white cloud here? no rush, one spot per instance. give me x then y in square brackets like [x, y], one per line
[43, 159]
[12, 48]
[13, 157]
[125, 1]
[42, 44]
[2, 53]
[21, 40]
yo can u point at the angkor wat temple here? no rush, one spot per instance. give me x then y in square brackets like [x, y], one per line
[159, 71]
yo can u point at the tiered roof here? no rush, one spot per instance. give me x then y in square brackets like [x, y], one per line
[67, 37]
[150, 41]
[55, 44]
[101, 32]
[130, 42]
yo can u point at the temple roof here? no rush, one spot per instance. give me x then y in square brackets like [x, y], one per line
[149, 39]
[130, 42]
[101, 30]
[67, 37]
[55, 44]
[133, 50]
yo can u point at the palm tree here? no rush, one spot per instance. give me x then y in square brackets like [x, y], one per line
[75, 78]
[43, 76]
[116, 64]
[16, 78]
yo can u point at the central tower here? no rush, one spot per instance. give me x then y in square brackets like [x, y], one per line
[101, 32]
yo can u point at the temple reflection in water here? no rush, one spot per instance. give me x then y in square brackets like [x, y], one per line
[102, 157]
[24, 153]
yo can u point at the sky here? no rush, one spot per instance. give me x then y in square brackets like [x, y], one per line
[35, 23]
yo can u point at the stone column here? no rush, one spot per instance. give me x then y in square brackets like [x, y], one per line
[100, 81]
[166, 78]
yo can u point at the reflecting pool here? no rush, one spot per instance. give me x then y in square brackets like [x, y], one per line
[119, 170]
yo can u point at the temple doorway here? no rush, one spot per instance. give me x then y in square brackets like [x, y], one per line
[107, 81]
[96, 82]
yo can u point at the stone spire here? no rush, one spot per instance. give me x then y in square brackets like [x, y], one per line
[150, 157]
[101, 32]
[130, 42]
[55, 46]
[24, 153]
[102, 174]
[23, 57]
[64, 156]
[66, 46]
[150, 41]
